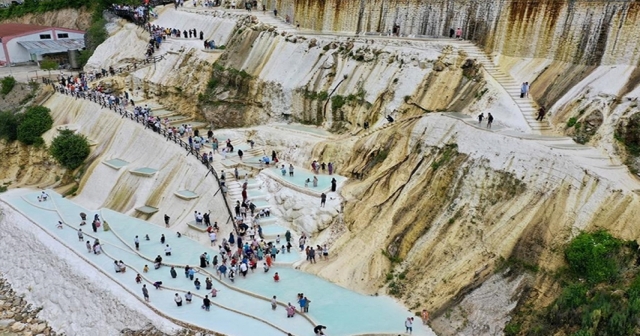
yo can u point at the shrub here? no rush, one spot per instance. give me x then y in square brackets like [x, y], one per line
[7, 85]
[572, 121]
[35, 121]
[70, 149]
[337, 102]
[9, 122]
[591, 256]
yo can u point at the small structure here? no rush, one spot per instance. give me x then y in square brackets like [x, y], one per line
[147, 210]
[186, 194]
[116, 163]
[144, 171]
[22, 43]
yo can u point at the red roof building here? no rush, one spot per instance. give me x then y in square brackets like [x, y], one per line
[17, 41]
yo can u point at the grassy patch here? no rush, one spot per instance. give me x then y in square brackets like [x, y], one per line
[572, 121]
[7, 83]
[600, 291]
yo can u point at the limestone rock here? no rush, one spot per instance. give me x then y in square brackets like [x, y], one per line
[439, 66]
[17, 327]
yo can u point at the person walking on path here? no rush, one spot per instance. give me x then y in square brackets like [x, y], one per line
[137, 242]
[480, 117]
[334, 184]
[240, 153]
[166, 220]
[145, 293]
[162, 239]
[323, 200]
[274, 303]
[290, 170]
[206, 303]
[541, 112]
[178, 300]
[80, 235]
[489, 120]
[173, 272]
[408, 324]
[89, 248]
[425, 316]
[459, 33]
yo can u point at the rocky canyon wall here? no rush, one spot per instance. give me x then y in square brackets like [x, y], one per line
[586, 32]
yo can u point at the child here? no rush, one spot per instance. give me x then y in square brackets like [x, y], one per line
[138, 278]
[276, 277]
[89, 249]
[266, 268]
[145, 269]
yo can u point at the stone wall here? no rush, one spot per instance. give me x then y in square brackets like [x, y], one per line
[585, 32]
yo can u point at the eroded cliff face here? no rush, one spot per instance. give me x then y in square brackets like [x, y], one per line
[577, 32]
[66, 18]
[339, 83]
[431, 209]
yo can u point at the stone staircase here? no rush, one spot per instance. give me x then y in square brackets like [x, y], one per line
[527, 106]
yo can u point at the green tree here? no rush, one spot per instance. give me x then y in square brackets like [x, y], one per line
[48, 65]
[70, 149]
[9, 122]
[35, 122]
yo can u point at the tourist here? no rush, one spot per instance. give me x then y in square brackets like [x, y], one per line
[276, 277]
[265, 267]
[97, 249]
[306, 304]
[323, 199]
[274, 303]
[173, 272]
[334, 184]
[146, 237]
[283, 170]
[192, 273]
[203, 261]
[178, 300]
[188, 297]
[480, 117]
[222, 271]
[94, 227]
[317, 330]
[408, 324]
[208, 284]
[315, 180]
[162, 239]
[302, 301]
[122, 266]
[138, 278]
[145, 293]
[145, 269]
[325, 252]
[459, 33]
[330, 168]
[136, 241]
[116, 266]
[166, 220]
[240, 153]
[541, 112]
[214, 292]
[80, 235]
[290, 170]
[425, 316]
[287, 236]
[157, 262]
[489, 120]
[291, 310]
[167, 250]
[157, 284]
[206, 303]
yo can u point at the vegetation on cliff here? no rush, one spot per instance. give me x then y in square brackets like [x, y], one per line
[7, 84]
[26, 127]
[599, 292]
[70, 149]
